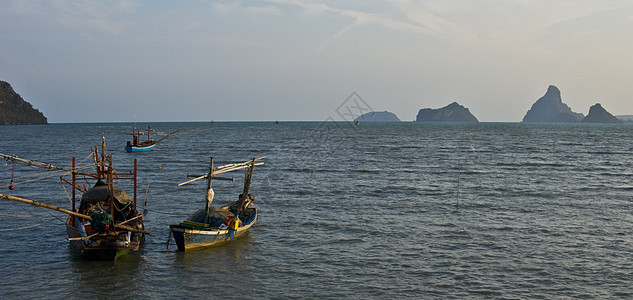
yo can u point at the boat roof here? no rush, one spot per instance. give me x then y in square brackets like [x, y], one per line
[101, 192]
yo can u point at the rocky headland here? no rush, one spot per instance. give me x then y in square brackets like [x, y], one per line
[378, 116]
[551, 109]
[453, 112]
[15, 111]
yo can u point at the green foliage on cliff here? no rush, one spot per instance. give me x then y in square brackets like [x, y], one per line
[15, 111]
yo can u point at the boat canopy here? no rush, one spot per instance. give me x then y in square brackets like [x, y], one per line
[101, 192]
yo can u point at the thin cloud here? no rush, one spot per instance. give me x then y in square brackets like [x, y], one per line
[95, 16]
[359, 18]
[501, 22]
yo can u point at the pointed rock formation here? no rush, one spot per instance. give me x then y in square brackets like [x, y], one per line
[551, 109]
[597, 114]
[15, 111]
[451, 113]
[378, 116]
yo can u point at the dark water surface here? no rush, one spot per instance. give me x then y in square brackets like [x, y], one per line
[365, 211]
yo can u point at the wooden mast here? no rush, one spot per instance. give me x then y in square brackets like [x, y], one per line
[247, 184]
[207, 202]
[111, 185]
[149, 128]
[134, 179]
[74, 176]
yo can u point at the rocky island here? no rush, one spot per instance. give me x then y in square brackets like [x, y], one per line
[625, 118]
[551, 109]
[597, 114]
[15, 111]
[378, 116]
[453, 112]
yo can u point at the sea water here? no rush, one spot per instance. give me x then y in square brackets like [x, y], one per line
[388, 210]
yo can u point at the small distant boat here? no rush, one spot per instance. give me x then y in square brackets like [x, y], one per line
[136, 145]
[106, 223]
[214, 225]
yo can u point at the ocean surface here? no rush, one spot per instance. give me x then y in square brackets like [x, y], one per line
[372, 211]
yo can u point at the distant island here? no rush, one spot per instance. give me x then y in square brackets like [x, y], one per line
[551, 109]
[15, 111]
[453, 112]
[378, 116]
[597, 114]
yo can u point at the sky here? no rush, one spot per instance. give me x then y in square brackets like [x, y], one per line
[294, 60]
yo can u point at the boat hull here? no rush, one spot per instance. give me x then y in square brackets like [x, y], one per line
[190, 238]
[139, 148]
[101, 247]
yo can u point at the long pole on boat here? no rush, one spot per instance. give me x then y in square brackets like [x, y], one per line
[111, 185]
[223, 169]
[72, 213]
[247, 183]
[74, 177]
[134, 179]
[35, 203]
[207, 205]
[247, 179]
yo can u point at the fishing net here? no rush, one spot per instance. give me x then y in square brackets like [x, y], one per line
[101, 221]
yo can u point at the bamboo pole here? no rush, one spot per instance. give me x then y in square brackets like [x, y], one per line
[72, 213]
[192, 180]
[31, 163]
[226, 168]
[59, 209]
[83, 237]
[218, 172]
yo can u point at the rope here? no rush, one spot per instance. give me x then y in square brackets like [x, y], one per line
[63, 172]
[61, 182]
[25, 227]
[66, 153]
[15, 216]
[164, 213]
[47, 224]
[34, 179]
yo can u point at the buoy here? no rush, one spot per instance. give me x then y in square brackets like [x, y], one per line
[11, 187]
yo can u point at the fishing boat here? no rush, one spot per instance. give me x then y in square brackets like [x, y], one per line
[105, 222]
[214, 225]
[136, 145]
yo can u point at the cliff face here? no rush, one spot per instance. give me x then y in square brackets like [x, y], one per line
[597, 114]
[378, 116]
[15, 111]
[551, 109]
[451, 113]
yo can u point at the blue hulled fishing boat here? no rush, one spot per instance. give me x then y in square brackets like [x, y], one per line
[136, 145]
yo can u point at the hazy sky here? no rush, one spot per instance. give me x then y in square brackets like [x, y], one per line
[85, 61]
